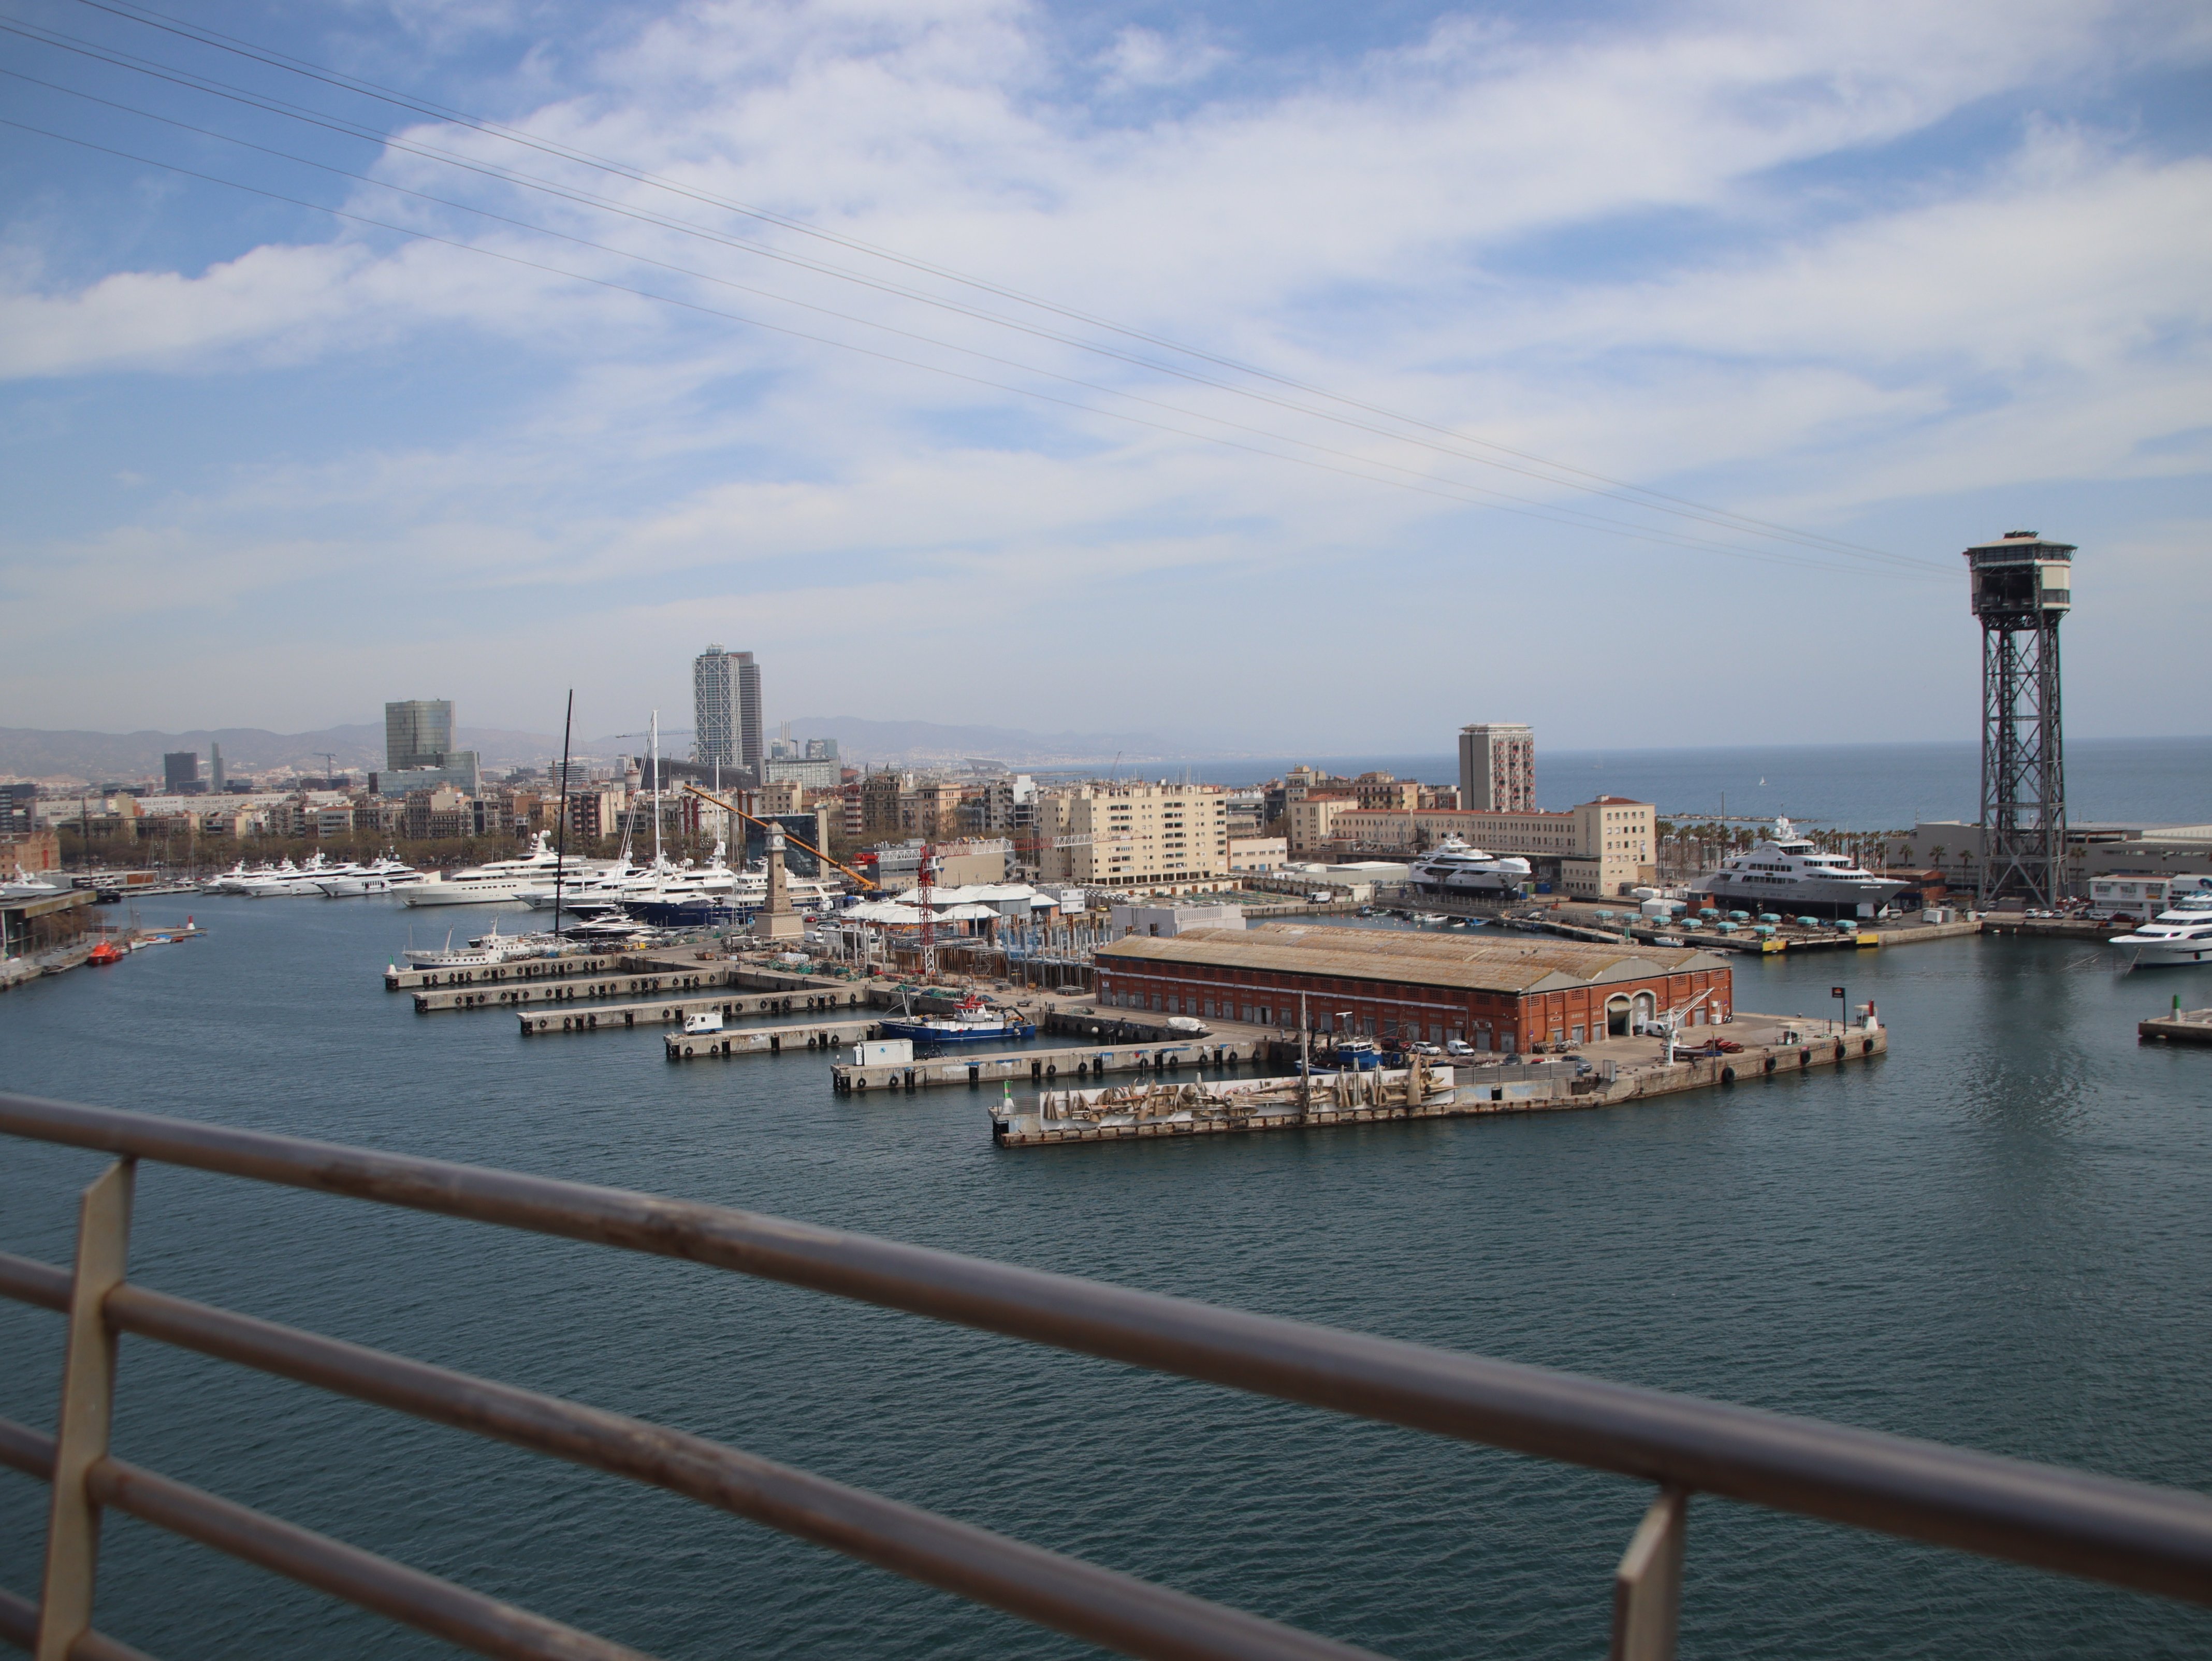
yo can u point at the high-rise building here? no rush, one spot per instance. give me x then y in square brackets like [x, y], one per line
[418, 732]
[1498, 767]
[180, 771]
[725, 711]
[215, 779]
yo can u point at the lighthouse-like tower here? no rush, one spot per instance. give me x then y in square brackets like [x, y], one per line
[2022, 587]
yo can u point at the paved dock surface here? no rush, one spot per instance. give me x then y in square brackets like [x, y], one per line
[1816, 1045]
[669, 1010]
[2182, 1026]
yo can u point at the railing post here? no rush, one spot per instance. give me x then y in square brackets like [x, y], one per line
[103, 1239]
[1647, 1587]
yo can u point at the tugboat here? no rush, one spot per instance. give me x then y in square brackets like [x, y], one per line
[105, 953]
[972, 1021]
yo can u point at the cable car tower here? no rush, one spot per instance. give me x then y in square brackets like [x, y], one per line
[2022, 586]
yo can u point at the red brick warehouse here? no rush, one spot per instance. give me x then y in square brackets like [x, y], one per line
[1498, 995]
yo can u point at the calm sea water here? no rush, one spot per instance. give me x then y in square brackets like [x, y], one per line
[1856, 786]
[2001, 1237]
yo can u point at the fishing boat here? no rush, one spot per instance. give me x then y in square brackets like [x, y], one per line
[971, 1021]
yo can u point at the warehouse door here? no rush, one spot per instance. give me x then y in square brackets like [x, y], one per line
[1616, 1017]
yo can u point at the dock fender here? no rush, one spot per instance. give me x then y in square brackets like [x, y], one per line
[1866, 1046]
[1052, 1070]
[1805, 1057]
[1727, 1075]
[1769, 1064]
[1840, 1050]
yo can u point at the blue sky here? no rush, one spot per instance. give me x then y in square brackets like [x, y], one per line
[1897, 278]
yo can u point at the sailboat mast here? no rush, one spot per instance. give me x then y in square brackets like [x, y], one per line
[560, 856]
[655, 741]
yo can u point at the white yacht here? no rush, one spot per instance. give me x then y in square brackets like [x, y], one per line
[289, 884]
[482, 952]
[500, 879]
[2183, 935]
[1786, 874]
[1453, 868]
[379, 876]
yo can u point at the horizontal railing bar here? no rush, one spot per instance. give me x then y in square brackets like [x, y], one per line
[423, 1601]
[19, 1620]
[1088, 1602]
[28, 1450]
[2130, 1534]
[28, 1282]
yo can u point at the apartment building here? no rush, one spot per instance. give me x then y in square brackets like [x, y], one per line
[1498, 767]
[1174, 837]
[1596, 850]
[930, 809]
[1309, 822]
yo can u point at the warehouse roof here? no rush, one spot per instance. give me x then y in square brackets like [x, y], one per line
[1490, 964]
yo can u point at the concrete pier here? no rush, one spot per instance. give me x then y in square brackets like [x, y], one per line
[669, 1011]
[522, 970]
[2182, 1026]
[697, 979]
[1051, 1068]
[822, 1036]
[1470, 1095]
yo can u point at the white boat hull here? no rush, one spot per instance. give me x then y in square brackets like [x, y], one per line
[463, 893]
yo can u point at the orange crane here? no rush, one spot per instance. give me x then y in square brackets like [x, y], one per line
[804, 847]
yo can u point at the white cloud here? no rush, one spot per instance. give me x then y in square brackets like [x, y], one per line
[1913, 330]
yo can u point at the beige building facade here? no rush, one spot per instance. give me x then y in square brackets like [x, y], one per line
[1149, 837]
[1603, 847]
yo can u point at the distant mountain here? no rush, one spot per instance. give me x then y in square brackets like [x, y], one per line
[859, 740]
[123, 757]
[27, 752]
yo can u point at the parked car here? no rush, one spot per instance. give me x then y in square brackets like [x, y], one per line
[1458, 1047]
[1421, 1047]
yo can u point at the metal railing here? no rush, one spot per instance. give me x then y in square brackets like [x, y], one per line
[2127, 1534]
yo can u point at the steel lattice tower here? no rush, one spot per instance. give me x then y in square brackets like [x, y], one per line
[2023, 586]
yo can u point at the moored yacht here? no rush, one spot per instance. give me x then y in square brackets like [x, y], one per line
[379, 876]
[1453, 868]
[502, 879]
[2180, 936]
[1786, 874]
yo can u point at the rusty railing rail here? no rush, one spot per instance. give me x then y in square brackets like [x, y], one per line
[2127, 1534]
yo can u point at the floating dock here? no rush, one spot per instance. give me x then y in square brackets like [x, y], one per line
[767, 1040]
[1173, 1109]
[667, 1011]
[518, 971]
[629, 984]
[2182, 1026]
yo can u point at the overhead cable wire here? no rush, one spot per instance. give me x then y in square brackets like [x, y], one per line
[1449, 490]
[1563, 514]
[1718, 519]
[1644, 496]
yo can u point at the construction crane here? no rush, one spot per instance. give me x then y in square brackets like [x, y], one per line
[804, 847]
[925, 894]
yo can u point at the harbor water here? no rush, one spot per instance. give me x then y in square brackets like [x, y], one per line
[1999, 1237]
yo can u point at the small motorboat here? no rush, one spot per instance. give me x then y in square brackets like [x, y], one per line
[107, 953]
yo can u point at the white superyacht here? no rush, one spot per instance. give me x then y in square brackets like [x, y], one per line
[502, 879]
[2180, 934]
[1453, 868]
[1787, 874]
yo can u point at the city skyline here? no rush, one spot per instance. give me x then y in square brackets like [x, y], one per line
[1751, 260]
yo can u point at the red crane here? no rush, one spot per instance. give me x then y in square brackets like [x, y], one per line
[925, 892]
